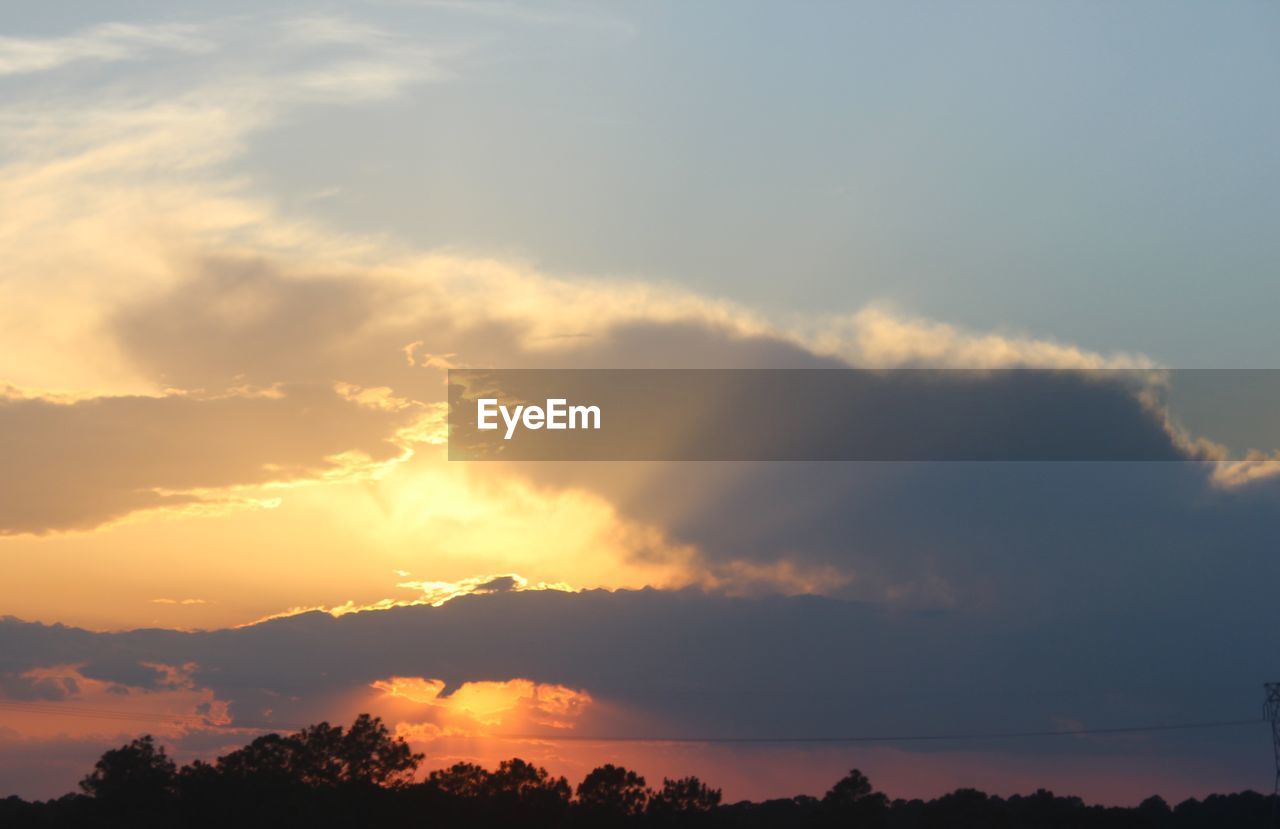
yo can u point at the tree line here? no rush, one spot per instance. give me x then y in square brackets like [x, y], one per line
[328, 776]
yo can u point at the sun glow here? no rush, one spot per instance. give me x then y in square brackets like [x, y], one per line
[481, 708]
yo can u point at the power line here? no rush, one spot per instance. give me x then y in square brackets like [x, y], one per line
[902, 738]
[59, 709]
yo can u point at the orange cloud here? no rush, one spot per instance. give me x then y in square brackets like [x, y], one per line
[483, 708]
[59, 701]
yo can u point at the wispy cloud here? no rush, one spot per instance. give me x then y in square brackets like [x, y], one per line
[330, 29]
[101, 44]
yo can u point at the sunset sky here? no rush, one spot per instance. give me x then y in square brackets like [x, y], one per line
[239, 250]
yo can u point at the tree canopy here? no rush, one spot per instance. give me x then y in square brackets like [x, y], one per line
[326, 775]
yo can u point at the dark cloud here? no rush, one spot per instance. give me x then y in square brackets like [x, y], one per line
[939, 533]
[501, 584]
[17, 686]
[1023, 540]
[822, 415]
[687, 663]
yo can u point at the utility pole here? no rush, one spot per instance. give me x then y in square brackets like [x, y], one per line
[1271, 711]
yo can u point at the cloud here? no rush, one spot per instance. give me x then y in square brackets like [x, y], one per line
[357, 325]
[76, 465]
[653, 664]
[33, 685]
[639, 648]
[66, 700]
[176, 284]
[55, 720]
[432, 593]
[106, 187]
[106, 43]
[878, 337]
[477, 707]
[322, 30]
[259, 321]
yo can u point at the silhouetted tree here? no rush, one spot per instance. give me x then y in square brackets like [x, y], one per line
[685, 797]
[852, 801]
[519, 792]
[370, 755]
[465, 780]
[137, 773]
[965, 808]
[198, 781]
[1042, 808]
[324, 755]
[612, 792]
[267, 760]
[1155, 811]
[527, 783]
[325, 776]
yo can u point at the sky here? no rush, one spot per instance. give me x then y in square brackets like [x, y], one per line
[240, 248]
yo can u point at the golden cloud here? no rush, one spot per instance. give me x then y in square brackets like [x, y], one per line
[483, 707]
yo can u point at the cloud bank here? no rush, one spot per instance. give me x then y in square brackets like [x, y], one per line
[687, 664]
